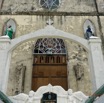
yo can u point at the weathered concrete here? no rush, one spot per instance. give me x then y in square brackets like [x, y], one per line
[50, 31]
[15, 7]
[72, 24]
[69, 17]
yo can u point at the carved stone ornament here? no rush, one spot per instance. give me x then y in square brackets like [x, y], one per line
[79, 71]
[20, 76]
[62, 95]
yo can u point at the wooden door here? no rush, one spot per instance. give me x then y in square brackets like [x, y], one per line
[49, 69]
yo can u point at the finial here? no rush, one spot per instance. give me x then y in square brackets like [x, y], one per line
[49, 22]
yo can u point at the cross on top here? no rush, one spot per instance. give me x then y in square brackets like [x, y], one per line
[49, 22]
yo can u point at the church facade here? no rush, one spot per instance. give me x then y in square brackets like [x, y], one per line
[57, 42]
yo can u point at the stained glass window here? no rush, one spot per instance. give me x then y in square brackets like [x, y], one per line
[50, 46]
[49, 4]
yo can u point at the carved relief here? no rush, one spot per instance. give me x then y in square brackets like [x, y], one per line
[76, 97]
[49, 94]
[20, 78]
[79, 71]
[23, 98]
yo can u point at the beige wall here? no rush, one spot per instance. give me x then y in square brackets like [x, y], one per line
[100, 4]
[102, 23]
[66, 22]
[72, 24]
[0, 4]
[14, 6]
[23, 53]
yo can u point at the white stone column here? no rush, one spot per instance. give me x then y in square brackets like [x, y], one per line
[4, 45]
[96, 62]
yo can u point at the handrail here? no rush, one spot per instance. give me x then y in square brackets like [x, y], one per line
[4, 98]
[98, 93]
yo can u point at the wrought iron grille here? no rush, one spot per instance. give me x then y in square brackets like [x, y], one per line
[50, 46]
[49, 4]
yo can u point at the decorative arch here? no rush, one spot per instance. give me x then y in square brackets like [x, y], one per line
[93, 46]
[1, 4]
[51, 32]
[89, 23]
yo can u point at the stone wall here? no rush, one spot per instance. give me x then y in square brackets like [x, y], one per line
[77, 54]
[33, 6]
[72, 11]
[72, 24]
[15, 7]
[69, 17]
[102, 31]
[100, 4]
[23, 54]
[0, 3]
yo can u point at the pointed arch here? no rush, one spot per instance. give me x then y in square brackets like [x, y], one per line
[49, 46]
[12, 23]
[91, 24]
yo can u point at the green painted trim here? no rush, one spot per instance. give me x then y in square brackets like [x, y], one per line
[98, 93]
[4, 98]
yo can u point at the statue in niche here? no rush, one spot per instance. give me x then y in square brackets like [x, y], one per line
[9, 28]
[20, 78]
[88, 33]
[79, 71]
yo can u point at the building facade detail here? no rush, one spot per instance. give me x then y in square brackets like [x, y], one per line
[61, 95]
[93, 47]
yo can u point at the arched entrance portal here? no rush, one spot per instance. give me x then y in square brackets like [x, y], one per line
[92, 46]
[49, 65]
